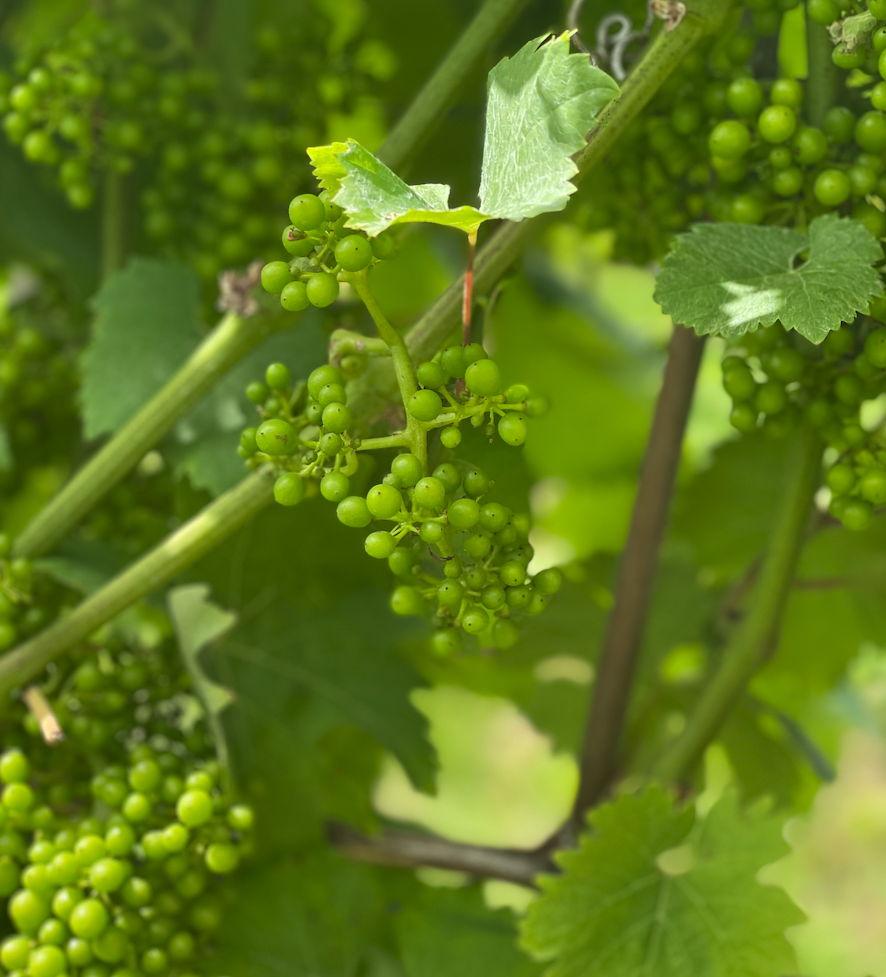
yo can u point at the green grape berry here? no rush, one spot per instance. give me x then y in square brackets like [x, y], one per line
[446, 642]
[276, 437]
[856, 514]
[744, 96]
[872, 486]
[430, 493]
[322, 376]
[450, 437]
[294, 297]
[463, 514]
[431, 375]
[875, 348]
[787, 91]
[407, 601]
[475, 620]
[512, 429]
[823, 11]
[384, 502]
[453, 362]
[322, 289]
[14, 767]
[352, 511]
[777, 123]
[289, 489]
[194, 807]
[407, 469]
[380, 545]
[307, 212]
[354, 252]
[483, 377]
[275, 275]
[89, 919]
[334, 486]
[336, 418]
[870, 132]
[424, 405]
[730, 140]
[296, 243]
[222, 858]
[548, 582]
[832, 187]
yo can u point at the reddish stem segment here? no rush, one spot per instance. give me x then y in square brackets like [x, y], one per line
[468, 298]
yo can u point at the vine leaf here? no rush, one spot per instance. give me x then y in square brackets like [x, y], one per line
[374, 197]
[540, 106]
[442, 932]
[198, 622]
[646, 893]
[147, 323]
[729, 279]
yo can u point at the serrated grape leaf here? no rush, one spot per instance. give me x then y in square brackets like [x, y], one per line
[315, 618]
[198, 622]
[147, 321]
[328, 170]
[728, 279]
[541, 104]
[309, 916]
[443, 932]
[375, 198]
[615, 912]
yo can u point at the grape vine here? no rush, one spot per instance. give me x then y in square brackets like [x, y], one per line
[209, 685]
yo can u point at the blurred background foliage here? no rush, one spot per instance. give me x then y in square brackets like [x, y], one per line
[572, 324]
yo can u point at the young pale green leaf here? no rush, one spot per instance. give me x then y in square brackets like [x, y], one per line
[324, 628]
[147, 323]
[374, 197]
[541, 104]
[729, 279]
[328, 171]
[645, 894]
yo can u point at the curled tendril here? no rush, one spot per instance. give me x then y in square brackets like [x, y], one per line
[615, 34]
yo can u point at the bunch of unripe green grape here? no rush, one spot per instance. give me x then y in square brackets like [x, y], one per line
[307, 430]
[718, 143]
[37, 380]
[92, 102]
[322, 247]
[776, 379]
[124, 86]
[113, 843]
[218, 188]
